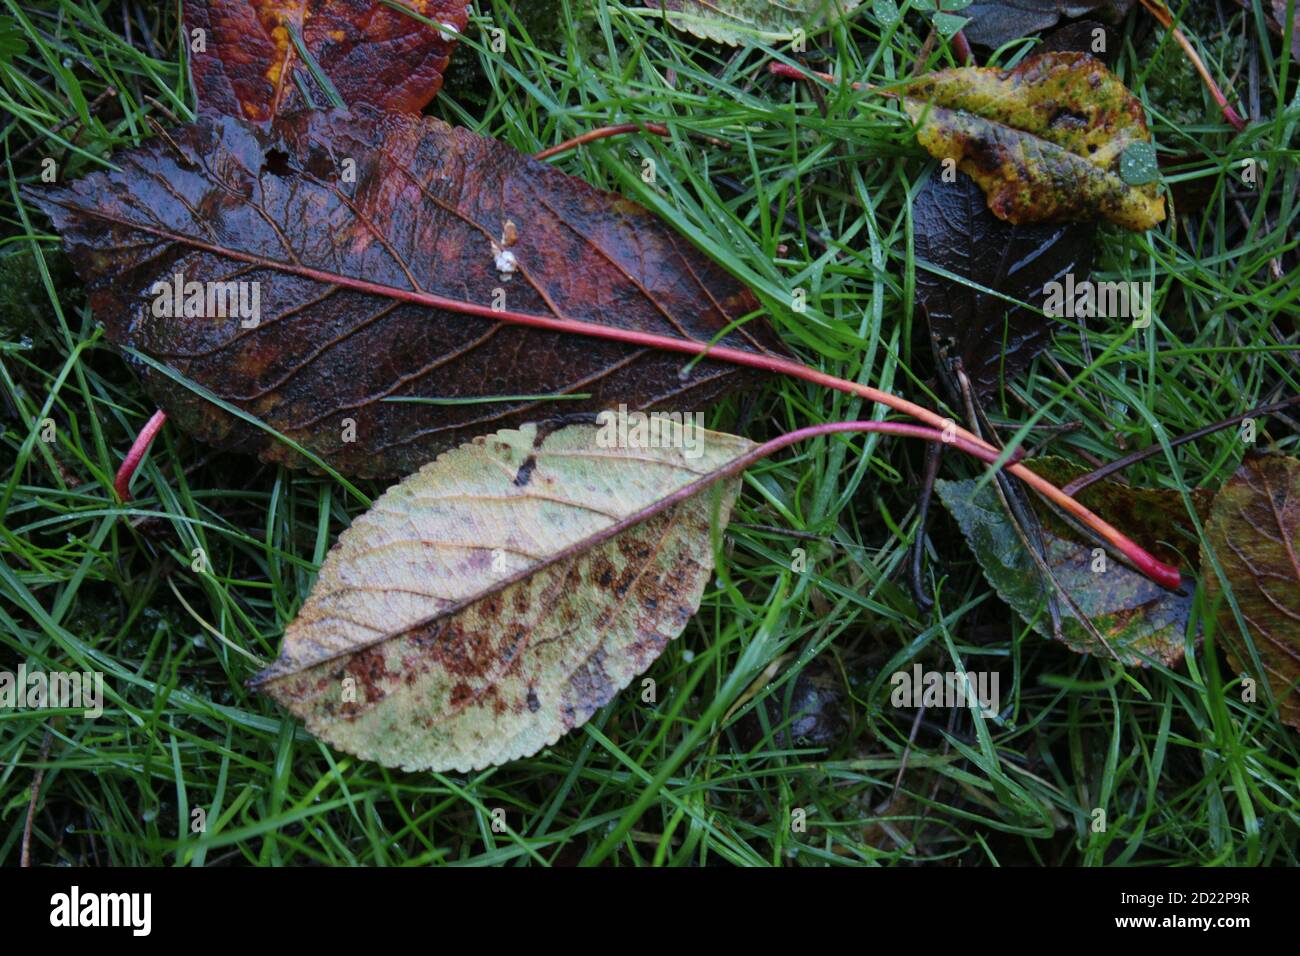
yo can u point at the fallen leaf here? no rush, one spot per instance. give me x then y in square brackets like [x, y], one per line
[1043, 140]
[995, 22]
[744, 22]
[1277, 24]
[1139, 620]
[993, 339]
[497, 598]
[1254, 529]
[335, 219]
[1081, 36]
[260, 58]
[1275, 19]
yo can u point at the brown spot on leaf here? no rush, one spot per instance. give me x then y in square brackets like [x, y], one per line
[525, 473]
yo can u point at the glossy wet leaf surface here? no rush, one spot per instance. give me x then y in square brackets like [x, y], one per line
[1043, 140]
[993, 340]
[261, 58]
[498, 597]
[427, 209]
[995, 22]
[1254, 529]
[745, 22]
[1139, 620]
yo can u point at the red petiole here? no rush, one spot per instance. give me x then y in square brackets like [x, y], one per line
[1156, 570]
[122, 481]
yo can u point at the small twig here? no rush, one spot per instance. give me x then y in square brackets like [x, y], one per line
[25, 855]
[923, 55]
[907, 752]
[162, 108]
[94, 104]
[122, 482]
[1158, 10]
[1054, 430]
[932, 455]
[1119, 464]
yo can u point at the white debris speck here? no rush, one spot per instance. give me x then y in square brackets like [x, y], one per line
[506, 262]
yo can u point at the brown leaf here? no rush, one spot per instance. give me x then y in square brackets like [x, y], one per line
[498, 597]
[1254, 529]
[1043, 140]
[369, 53]
[433, 209]
[995, 22]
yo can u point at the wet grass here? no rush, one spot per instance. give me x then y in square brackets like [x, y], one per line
[810, 192]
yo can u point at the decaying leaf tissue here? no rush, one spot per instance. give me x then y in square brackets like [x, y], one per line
[682, 414]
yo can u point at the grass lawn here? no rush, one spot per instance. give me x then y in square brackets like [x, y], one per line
[810, 192]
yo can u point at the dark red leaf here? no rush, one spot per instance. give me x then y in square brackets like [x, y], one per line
[433, 210]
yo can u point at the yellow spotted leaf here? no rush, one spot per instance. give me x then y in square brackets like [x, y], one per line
[1043, 140]
[496, 598]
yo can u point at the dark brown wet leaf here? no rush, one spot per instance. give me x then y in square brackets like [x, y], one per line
[1138, 620]
[261, 58]
[1081, 36]
[498, 597]
[427, 209]
[1254, 529]
[1044, 140]
[992, 339]
[995, 22]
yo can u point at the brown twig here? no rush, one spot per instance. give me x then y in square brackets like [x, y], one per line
[94, 104]
[25, 855]
[923, 55]
[1119, 464]
[932, 455]
[162, 108]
